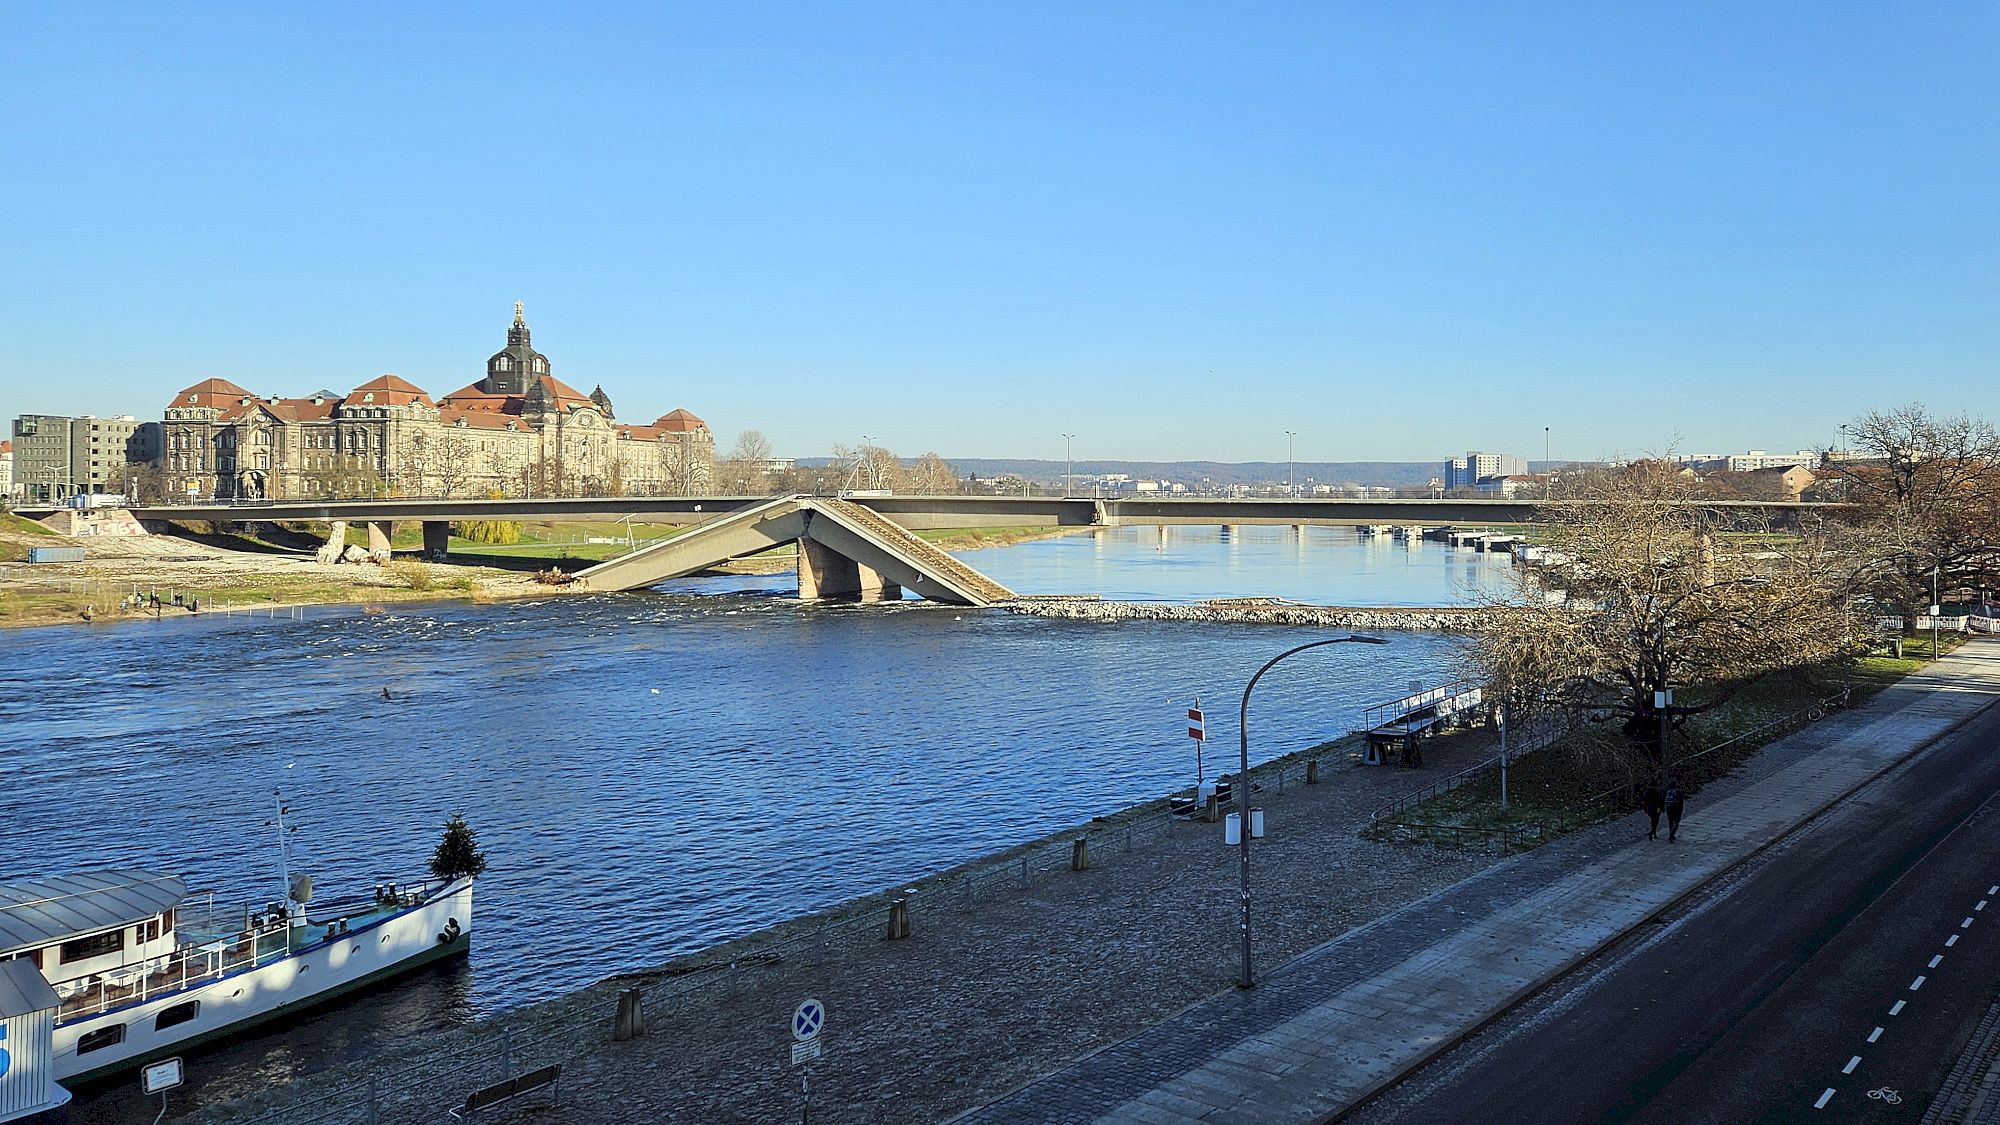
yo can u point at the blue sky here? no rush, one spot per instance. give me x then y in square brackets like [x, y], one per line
[1176, 230]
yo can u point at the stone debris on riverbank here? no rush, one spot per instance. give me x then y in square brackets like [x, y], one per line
[1255, 611]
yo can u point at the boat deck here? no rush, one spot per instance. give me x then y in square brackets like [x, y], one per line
[211, 949]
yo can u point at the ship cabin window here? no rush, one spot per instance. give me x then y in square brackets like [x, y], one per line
[96, 945]
[33, 956]
[101, 1038]
[152, 928]
[178, 1014]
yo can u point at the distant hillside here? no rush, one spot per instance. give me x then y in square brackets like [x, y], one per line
[1388, 474]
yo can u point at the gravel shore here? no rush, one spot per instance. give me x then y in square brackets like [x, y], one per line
[992, 988]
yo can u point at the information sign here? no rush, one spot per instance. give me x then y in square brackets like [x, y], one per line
[160, 1076]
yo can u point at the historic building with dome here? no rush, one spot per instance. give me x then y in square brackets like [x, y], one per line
[518, 431]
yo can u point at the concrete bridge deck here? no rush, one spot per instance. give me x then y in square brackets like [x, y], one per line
[844, 550]
[919, 513]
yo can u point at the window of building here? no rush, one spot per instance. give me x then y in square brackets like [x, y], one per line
[178, 1014]
[101, 1038]
[96, 945]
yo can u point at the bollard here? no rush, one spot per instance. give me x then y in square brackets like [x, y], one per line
[1213, 810]
[631, 1022]
[1312, 771]
[899, 919]
[1079, 854]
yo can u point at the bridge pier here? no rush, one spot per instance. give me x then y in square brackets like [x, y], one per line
[379, 532]
[826, 573]
[437, 538]
[336, 543]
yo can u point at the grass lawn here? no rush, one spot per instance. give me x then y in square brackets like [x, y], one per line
[1549, 794]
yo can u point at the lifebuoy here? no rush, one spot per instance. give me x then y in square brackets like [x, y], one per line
[450, 932]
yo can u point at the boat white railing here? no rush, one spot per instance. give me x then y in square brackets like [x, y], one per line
[188, 965]
[214, 944]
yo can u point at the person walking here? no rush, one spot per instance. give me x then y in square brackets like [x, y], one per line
[1654, 802]
[1674, 803]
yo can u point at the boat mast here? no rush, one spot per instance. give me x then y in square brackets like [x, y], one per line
[284, 850]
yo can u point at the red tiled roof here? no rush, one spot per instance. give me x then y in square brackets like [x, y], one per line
[475, 419]
[472, 398]
[393, 390]
[211, 392]
[679, 421]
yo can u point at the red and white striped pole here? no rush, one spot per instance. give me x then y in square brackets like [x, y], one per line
[1197, 731]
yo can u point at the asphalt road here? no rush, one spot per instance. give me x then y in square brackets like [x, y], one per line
[1856, 956]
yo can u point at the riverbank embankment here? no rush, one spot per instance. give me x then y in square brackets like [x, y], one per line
[239, 573]
[1253, 611]
[1013, 965]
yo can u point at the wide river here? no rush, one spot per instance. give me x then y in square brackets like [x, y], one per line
[652, 773]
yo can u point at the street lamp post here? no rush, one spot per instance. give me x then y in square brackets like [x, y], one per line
[867, 444]
[1249, 979]
[1935, 607]
[1069, 467]
[1289, 461]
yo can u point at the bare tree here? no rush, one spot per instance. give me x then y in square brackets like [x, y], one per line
[746, 468]
[931, 475]
[1926, 489]
[453, 463]
[685, 474]
[1649, 590]
[139, 483]
[865, 466]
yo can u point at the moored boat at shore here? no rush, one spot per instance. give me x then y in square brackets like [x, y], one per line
[128, 966]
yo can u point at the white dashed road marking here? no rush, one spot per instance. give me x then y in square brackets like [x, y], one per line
[1917, 983]
[1874, 1035]
[1981, 906]
[1851, 1064]
[1935, 960]
[1896, 1009]
[1967, 924]
[1824, 1098]
[1951, 941]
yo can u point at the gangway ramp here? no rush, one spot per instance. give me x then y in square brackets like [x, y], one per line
[878, 555]
[1402, 721]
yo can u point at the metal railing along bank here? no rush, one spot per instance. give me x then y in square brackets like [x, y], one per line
[1517, 835]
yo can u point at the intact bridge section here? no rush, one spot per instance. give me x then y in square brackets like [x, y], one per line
[845, 551]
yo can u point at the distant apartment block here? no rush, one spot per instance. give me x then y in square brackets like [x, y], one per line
[58, 456]
[1748, 462]
[7, 471]
[1469, 470]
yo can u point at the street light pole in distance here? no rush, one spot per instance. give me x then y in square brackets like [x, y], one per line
[1069, 468]
[1242, 786]
[1290, 460]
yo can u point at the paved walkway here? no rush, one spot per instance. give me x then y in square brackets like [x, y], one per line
[1338, 1023]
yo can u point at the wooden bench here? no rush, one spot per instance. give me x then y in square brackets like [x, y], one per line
[517, 1086]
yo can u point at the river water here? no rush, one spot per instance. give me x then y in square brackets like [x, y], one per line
[652, 773]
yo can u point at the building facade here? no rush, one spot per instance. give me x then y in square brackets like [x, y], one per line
[518, 431]
[58, 456]
[1469, 470]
